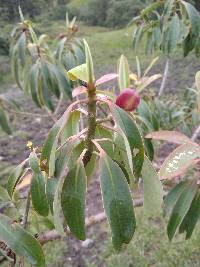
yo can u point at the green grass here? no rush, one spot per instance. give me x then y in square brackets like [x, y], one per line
[150, 248]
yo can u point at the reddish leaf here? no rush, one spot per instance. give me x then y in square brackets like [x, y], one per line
[170, 136]
[106, 78]
[79, 91]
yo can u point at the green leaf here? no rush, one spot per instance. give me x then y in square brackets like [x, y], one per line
[117, 200]
[4, 122]
[197, 82]
[181, 208]
[34, 78]
[38, 195]
[194, 17]
[21, 242]
[64, 84]
[89, 64]
[173, 34]
[191, 218]
[123, 71]
[4, 194]
[179, 160]
[72, 126]
[174, 194]
[79, 73]
[153, 191]
[50, 191]
[73, 200]
[50, 145]
[34, 162]
[14, 178]
[130, 129]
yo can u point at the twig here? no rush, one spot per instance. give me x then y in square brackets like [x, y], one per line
[165, 75]
[54, 235]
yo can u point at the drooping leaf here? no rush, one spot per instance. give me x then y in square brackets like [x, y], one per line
[71, 127]
[191, 218]
[194, 17]
[73, 200]
[51, 186]
[130, 129]
[181, 208]
[57, 209]
[14, 178]
[117, 201]
[197, 80]
[4, 122]
[38, 194]
[180, 160]
[34, 162]
[173, 195]
[49, 148]
[34, 85]
[153, 191]
[21, 242]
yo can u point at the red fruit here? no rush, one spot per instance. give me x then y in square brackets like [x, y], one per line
[128, 99]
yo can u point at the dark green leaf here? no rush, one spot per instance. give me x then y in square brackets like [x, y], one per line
[117, 201]
[38, 195]
[191, 218]
[14, 178]
[4, 122]
[181, 208]
[50, 191]
[130, 129]
[21, 242]
[73, 200]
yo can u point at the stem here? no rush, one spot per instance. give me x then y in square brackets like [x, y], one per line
[165, 75]
[91, 124]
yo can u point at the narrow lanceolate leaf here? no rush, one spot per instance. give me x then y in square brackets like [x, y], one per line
[170, 136]
[38, 195]
[197, 81]
[194, 17]
[181, 208]
[117, 202]
[34, 162]
[173, 34]
[123, 71]
[73, 200]
[50, 145]
[191, 219]
[180, 160]
[89, 64]
[172, 197]
[34, 78]
[72, 126]
[4, 121]
[153, 191]
[57, 209]
[21, 242]
[106, 78]
[127, 124]
[50, 191]
[14, 178]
